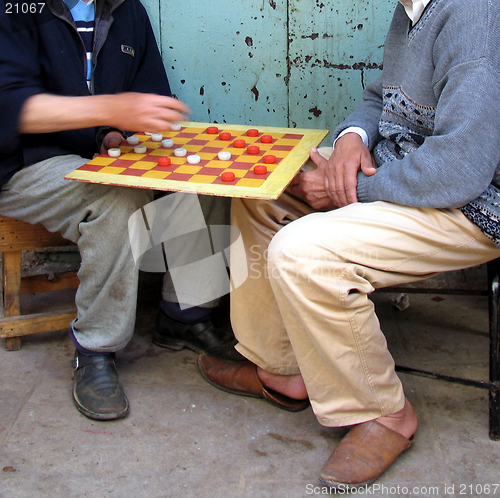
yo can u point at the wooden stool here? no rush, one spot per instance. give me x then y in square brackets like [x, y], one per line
[17, 236]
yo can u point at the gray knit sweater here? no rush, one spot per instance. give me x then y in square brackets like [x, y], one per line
[433, 118]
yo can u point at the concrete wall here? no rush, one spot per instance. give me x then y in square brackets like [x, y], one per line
[297, 63]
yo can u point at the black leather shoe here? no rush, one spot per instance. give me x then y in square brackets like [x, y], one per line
[202, 337]
[97, 392]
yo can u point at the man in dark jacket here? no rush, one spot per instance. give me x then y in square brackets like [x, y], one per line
[74, 75]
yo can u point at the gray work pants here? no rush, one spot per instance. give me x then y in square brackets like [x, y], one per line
[95, 217]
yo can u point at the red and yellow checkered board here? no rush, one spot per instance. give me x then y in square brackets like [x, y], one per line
[291, 146]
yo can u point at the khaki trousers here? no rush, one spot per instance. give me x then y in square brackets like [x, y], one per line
[304, 307]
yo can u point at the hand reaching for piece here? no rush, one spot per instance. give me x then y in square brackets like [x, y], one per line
[111, 140]
[45, 113]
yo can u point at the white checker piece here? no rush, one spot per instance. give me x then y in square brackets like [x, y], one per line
[180, 152]
[114, 152]
[133, 140]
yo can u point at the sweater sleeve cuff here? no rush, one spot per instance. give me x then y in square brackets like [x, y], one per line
[363, 190]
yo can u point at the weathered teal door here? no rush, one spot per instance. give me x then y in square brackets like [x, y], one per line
[298, 63]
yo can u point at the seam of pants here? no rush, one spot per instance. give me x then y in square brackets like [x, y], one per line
[394, 267]
[357, 339]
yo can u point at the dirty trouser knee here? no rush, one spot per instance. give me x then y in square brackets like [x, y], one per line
[321, 269]
[96, 218]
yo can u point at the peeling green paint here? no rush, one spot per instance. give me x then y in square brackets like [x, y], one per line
[300, 63]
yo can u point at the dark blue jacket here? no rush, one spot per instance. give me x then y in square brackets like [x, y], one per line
[43, 53]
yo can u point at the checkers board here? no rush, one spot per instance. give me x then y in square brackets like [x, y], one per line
[290, 146]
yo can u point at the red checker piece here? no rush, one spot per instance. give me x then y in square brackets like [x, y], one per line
[225, 135]
[253, 133]
[227, 176]
[260, 169]
[266, 139]
[253, 149]
[164, 161]
[270, 159]
[239, 144]
[212, 130]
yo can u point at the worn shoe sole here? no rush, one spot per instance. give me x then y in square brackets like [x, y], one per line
[99, 416]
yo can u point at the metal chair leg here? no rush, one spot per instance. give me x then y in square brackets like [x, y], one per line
[494, 312]
[493, 385]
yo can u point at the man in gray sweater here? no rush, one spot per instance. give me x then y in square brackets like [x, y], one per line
[409, 190]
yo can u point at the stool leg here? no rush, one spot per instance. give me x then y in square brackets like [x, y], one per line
[494, 311]
[12, 343]
[11, 292]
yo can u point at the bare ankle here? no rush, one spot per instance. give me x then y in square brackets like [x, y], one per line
[403, 422]
[290, 385]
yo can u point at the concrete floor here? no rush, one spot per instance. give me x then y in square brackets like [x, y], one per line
[184, 438]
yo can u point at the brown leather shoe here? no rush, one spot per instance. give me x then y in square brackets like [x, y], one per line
[363, 455]
[242, 379]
